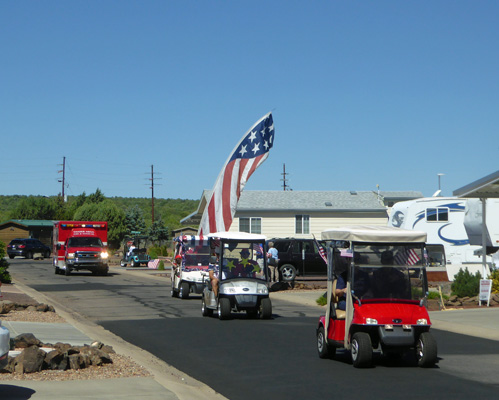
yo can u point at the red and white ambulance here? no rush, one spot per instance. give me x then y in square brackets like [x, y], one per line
[80, 245]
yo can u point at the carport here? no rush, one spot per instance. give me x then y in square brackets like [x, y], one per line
[484, 188]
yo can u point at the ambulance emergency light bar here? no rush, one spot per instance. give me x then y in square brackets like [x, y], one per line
[82, 225]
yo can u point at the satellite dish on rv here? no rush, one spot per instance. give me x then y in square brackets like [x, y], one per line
[437, 193]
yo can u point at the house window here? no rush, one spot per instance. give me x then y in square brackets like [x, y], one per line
[250, 225]
[437, 214]
[302, 224]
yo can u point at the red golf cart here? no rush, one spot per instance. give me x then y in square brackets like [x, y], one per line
[377, 290]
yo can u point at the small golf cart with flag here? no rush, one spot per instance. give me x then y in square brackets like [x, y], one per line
[135, 252]
[239, 264]
[376, 295]
[191, 260]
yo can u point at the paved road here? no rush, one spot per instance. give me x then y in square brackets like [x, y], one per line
[248, 359]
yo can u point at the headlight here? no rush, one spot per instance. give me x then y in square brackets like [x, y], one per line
[229, 290]
[71, 255]
[104, 254]
[422, 321]
[262, 289]
[371, 321]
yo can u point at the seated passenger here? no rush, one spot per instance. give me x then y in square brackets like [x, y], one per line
[360, 286]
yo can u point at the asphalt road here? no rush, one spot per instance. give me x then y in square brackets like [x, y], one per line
[249, 359]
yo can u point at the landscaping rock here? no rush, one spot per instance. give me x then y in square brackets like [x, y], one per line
[56, 359]
[6, 306]
[63, 356]
[77, 361]
[95, 356]
[26, 340]
[30, 360]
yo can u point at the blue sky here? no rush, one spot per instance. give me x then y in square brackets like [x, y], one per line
[362, 93]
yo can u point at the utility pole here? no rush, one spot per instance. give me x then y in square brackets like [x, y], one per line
[63, 176]
[285, 186]
[152, 192]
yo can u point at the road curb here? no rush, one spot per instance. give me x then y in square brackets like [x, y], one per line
[182, 385]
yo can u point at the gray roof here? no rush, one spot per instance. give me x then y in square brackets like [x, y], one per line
[309, 201]
[409, 194]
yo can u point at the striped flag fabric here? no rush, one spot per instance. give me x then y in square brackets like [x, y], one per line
[153, 264]
[407, 257]
[322, 251]
[251, 151]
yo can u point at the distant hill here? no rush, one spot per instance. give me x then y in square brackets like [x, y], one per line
[171, 211]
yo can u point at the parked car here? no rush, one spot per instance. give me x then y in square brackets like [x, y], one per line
[298, 257]
[4, 346]
[27, 248]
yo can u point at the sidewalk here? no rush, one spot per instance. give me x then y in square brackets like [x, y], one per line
[167, 384]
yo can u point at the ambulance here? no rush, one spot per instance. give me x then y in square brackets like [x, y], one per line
[80, 245]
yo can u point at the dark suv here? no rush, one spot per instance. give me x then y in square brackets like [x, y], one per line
[294, 261]
[26, 248]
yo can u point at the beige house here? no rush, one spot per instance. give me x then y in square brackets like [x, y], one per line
[305, 214]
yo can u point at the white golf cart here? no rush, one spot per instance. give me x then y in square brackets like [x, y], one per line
[240, 267]
[191, 260]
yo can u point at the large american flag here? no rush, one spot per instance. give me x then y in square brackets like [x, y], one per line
[251, 151]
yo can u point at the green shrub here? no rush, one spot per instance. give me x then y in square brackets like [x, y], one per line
[436, 295]
[322, 301]
[154, 252]
[4, 266]
[495, 281]
[466, 284]
[161, 266]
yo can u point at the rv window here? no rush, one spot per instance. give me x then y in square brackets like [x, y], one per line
[437, 214]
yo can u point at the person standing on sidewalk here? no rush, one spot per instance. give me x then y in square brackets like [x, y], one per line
[273, 262]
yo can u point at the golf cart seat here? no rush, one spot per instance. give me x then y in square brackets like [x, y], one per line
[340, 314]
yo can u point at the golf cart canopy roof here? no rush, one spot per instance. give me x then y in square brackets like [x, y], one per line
[237, 236]
[373, 234]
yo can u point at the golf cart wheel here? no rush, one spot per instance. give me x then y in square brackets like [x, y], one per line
[265, 308]
[324, 350]
[288, 273]
[426, 350]
[56, 271]
[362, 351]
[223, 308]
[184, 290]
[207, 312]
[133, 264]
[122, 264]
[67, 271]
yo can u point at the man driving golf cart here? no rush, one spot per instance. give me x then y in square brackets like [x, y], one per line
[237, 281]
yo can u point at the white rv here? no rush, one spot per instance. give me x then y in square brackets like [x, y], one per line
[442, 218]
